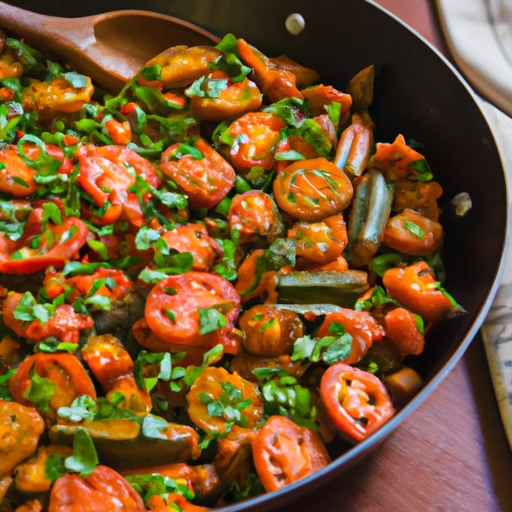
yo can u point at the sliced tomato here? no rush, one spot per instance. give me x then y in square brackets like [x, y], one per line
[270, 331]
[16, 177]
[363, 328]
[416, 288]
[117, 289]
[284, 452]
[248, 286]
[104, 490]
[205, 181]
[312, 190]
[172, 307]
[64, 370]
[320, 242]
[356, 401]
[255, 137]
[32, 152]
[236, 99]
[402, 331]
[119, 132]
[107, 359]
[254, 214]
[106, 173]
[224, 388]
[193, 238]
[410, 232]
[56, 245]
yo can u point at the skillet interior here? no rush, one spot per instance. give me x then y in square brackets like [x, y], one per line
[417, 94]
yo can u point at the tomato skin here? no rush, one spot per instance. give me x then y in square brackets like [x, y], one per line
[48, 253]
[15, 167]
[284, 452]
[270, 331]
[363, 328]
[346, 393]
[402, 331]
[193, 290]
[416, 291]
[83, 284]
[107, 360]
[104, 175]
[119, 132]
[182, 65]
[254, 214]
[104, 490]
[246, 275]
[256, 136]
[64, 325]
[320, 242]
[311, 190]
[209, 381]
[206, 182]
[64, 370]
[21, 428]
[236, 100]
[398, 237]
[193, 238]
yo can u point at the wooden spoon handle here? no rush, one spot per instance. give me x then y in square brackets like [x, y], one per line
[47, 32]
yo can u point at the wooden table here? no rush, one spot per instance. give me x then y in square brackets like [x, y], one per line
[452, 453]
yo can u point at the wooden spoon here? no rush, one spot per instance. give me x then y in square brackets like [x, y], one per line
[109, 47]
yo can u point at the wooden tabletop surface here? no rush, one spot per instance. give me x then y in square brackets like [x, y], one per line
[452, 453]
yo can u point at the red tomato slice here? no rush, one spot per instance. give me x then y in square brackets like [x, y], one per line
[256, 136]
[55, 246]
[16, 177]
[83, 284]
[104, 490]
[356, 401]
[312, 190]
[64, 370]
[363, 328]
[402, 331]
[415, 287]
[107, 360]
[65, 326]
[193, 238]
[205, 181]
[284, 452]
[254, 214]
[210, 381]
[172, 307]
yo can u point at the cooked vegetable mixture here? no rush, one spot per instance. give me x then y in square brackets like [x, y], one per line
[204, 279]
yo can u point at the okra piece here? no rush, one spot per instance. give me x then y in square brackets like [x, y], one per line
[336, 288]
[378, 202]
[354, 147]
[303, 309]
[125, 444]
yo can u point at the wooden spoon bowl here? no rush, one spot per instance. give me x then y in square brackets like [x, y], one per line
[103, 46]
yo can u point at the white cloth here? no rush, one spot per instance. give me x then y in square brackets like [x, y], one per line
[479, 36]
